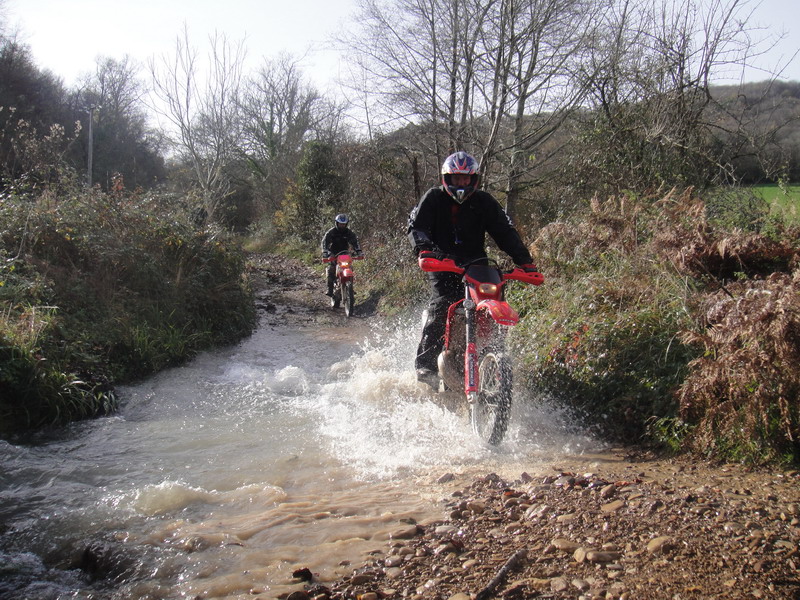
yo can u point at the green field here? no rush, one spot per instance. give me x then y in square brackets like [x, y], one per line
[785, 201]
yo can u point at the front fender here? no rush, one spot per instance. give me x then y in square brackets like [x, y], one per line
[346, 274]
[500, 311]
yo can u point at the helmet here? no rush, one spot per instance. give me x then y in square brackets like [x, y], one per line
[342, 221]
[460, 163]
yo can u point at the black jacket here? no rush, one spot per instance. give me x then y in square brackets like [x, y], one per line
[339, 240]
[460, 229]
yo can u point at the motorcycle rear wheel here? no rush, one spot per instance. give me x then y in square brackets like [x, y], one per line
[349, 298]
[491, 411]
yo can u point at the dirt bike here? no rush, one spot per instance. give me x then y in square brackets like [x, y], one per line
[474, 352]
[343, 283]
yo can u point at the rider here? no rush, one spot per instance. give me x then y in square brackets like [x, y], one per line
[338, 238]
[452, 220]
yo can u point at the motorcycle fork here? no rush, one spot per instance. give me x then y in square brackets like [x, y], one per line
[471, 382]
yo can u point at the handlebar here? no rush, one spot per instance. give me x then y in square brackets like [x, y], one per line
[430, 264]
[333, 258]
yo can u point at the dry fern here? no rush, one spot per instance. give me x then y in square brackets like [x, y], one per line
[746, 387]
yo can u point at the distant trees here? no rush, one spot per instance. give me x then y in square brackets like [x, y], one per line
[201, 108]
[126, 150]
[560, 98]
[280, 113]
[655, 119]
[497, 77]
[36, 106]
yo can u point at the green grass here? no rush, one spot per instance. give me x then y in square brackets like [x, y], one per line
[783, 200]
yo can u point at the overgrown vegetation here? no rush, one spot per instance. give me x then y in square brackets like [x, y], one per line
[658, 324]
[100, 288]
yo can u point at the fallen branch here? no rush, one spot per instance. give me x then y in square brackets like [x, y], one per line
[512, 563]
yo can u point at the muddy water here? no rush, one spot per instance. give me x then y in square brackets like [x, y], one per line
[297, 448]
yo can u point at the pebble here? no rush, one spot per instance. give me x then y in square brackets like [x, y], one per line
[612, 506]
[660, 545]
[404, 534]
[565, 545]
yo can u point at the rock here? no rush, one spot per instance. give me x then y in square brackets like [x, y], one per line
[303, 574]
[446, 478]
[580, 584]
[559, 584]
[612, 506]
[393, 572]
[404, 534]
[369, 596]
[565, 518]
[361, 578]
[445, 529]
[580, 554]
[660, 545]
[458, 596]
[599, 556]
[393, 561]
[608, 491]
[565, 545]
[299, 595]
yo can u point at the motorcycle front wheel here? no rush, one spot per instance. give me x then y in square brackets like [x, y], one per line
[491, 410]
[349, 298]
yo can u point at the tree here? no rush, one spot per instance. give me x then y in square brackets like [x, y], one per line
[124, 146]
[655, 120]
[32, 103]
[280, 111]
[318, 192]
[496, 77]
[202, 112]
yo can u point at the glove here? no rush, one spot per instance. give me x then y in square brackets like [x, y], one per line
[529, 268]
[326, 254]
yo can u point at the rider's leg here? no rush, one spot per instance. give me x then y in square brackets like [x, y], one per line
[446, 288]
[331, 278]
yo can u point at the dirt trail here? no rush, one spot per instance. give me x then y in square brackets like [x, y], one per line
[638, 527]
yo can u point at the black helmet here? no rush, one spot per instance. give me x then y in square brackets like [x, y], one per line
[342, 220]
[460, 163]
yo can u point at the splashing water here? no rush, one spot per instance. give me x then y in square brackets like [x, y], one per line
[220, 477]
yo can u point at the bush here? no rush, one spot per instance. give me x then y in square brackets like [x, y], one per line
[110, 287]
[655, 321]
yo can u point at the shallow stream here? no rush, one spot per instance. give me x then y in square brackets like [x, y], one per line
[301, 447]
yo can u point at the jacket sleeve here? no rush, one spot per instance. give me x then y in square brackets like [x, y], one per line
[326, 241]
[420, 224]
[506, 236]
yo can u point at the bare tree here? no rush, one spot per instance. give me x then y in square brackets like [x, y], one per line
[655, 67]
[492, 76]
[534, 50]
[280, 111]
[201, 109]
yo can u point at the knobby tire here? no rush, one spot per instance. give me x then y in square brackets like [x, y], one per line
[349, 299]
[491, 411]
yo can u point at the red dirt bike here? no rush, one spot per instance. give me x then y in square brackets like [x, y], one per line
[474, 352]
[343, 283]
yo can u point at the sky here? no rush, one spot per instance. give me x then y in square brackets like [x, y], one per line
[66, 36]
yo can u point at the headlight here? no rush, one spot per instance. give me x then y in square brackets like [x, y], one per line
[344, 264]
[490, 289]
